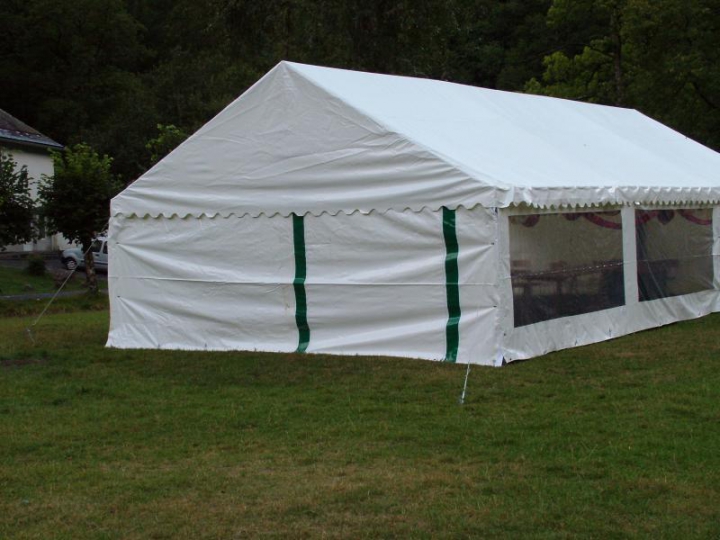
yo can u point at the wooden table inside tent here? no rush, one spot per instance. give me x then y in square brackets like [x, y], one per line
[561, 274]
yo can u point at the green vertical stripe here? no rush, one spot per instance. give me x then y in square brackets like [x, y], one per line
[452, 276]
[299, 283]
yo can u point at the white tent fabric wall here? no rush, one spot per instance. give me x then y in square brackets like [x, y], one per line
[352, 213]
[297, 148]
[375, 284]
[633, 316]
[202, 283]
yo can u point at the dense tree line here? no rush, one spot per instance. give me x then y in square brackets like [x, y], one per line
[107, 72]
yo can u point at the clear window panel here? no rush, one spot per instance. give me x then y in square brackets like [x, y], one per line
[674, 252]
[565, 264]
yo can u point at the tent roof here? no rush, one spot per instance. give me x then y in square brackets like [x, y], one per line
[312, 139]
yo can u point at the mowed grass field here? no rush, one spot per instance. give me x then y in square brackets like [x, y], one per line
[616, 440]
[15, 281]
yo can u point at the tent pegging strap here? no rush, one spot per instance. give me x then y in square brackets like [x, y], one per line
[299, 283]
[452, 287]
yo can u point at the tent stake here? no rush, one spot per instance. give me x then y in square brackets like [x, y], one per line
[464, 391]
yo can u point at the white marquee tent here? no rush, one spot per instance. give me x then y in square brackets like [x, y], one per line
[352, 213]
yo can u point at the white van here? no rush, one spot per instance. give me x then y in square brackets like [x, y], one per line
[73, 258]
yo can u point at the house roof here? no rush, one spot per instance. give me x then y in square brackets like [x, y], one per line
[16, 132]
[313, 139]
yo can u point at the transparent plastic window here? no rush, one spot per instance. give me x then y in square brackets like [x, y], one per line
[565, 264]
[674, 252]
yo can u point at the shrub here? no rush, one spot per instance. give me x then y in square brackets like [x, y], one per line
[35, 266]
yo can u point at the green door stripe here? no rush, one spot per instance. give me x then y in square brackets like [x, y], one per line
[299, 283]
[452, 276]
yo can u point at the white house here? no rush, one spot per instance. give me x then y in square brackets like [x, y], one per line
[341, 212]
[30, 148]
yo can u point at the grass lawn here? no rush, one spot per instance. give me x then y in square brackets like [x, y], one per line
[616, 440]
[17, 281]
[33, 307]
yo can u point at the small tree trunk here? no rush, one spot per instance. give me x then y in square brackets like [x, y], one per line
[90, 275]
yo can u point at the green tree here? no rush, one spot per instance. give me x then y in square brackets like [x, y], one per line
[16, 204]
[76, 200]
[591, 66]
[168, 138]
[72, 71]
[499, 44]
[108, 71]
[661, 57]
[676, 64]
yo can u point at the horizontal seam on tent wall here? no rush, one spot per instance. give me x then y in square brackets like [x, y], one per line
[525, 209]
[278, 214]
[419, 209]
[307, 282]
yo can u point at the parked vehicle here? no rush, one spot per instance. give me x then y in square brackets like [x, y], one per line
[73, 258]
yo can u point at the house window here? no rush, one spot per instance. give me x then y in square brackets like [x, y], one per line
[565, 264]
[674, 252]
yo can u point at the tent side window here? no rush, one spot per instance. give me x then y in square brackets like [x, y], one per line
[674, 252]
[565, 264]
